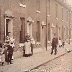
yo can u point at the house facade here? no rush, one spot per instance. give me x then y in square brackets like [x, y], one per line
[38, 18]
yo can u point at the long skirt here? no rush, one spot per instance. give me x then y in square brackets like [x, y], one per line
[28, 52]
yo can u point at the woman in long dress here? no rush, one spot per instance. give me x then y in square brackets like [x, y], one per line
[27, 48]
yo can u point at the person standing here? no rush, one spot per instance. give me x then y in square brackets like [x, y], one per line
[60, 42]
[10, 53]
[6, 53]
[10, 40]
[63, 43]
[32, 45]
[2, 58]
[54, 44]
[27, 48]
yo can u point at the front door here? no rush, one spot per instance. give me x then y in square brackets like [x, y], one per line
[22, 32]
[8, 26]
[29, 28]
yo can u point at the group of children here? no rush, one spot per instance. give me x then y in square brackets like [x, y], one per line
[6, 51]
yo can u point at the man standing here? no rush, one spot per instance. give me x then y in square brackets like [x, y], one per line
[10, 53]
[54, 44]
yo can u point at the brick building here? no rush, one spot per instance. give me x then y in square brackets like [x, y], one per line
[40, 18]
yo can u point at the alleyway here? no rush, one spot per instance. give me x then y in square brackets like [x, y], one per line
[25, 64]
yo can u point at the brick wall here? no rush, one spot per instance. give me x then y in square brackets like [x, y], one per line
[30, 11]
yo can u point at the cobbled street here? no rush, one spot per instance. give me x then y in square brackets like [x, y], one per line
[35, 35]
[61, 64]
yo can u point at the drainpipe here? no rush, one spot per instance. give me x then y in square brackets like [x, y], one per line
[46, 27]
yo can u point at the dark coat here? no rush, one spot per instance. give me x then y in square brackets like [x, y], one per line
[10, 49]
[54, 41]
[6, 55]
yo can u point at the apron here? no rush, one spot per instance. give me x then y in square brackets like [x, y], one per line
[27, 47]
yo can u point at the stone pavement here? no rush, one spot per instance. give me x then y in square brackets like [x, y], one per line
[24, 64]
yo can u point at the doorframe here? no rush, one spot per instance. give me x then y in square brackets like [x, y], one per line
[11, 19]
[29, 28]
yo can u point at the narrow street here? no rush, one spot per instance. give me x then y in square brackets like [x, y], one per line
[29, 32]
[42, 62]
[61, 64]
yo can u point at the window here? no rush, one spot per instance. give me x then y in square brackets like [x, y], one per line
[7, 23]
[38, 31]
[22, 32]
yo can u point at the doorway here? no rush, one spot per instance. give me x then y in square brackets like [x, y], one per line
[29, 28]
[8, 27]
[22, 32]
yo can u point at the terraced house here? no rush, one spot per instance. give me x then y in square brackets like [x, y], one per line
[39, 18]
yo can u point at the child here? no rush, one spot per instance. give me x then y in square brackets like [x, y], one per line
[63, 43]
[2, 58]
[60, 42]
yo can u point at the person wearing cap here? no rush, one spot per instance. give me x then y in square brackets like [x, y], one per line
[54, 44]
